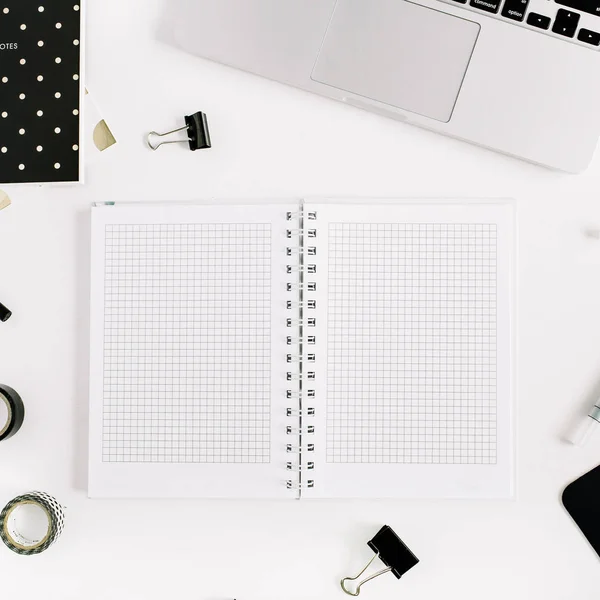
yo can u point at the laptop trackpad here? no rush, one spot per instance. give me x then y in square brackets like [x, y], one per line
[398, 53]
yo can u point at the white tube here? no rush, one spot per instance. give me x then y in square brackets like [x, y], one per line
[585, 431]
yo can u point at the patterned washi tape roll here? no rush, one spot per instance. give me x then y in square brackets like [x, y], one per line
[9, 523]
[15, 412]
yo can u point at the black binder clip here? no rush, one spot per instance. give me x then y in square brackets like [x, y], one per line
[5, 314]
[197, 131]
[392, 552]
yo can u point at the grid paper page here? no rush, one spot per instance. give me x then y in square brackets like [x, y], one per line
[412, 343]
[187, 356]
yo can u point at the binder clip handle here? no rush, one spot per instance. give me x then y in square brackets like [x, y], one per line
[198, 136]
[356, 592]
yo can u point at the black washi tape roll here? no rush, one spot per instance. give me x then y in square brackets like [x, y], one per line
[15, 412]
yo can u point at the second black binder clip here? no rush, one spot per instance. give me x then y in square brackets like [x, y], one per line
[197, 133]
[5, 314]
[392, 552]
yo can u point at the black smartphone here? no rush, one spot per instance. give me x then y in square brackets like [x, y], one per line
[582, 499]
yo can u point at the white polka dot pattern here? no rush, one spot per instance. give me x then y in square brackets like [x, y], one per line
[40, 91]
[56, 521]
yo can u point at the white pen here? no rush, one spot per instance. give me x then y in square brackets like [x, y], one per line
[587, 427]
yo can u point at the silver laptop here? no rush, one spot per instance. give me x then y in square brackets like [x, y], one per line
[518, 76]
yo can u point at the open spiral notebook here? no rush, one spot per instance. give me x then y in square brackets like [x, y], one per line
[309, 349]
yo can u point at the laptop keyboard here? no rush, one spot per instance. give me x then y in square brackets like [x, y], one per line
[575, 20]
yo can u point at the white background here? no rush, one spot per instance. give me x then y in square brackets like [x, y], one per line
[273, 142]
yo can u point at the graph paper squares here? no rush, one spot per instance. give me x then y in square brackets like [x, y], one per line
[187, 356]
[412, 343]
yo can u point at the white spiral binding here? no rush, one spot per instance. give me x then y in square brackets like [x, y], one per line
[309, 483]
[299, 449]
[310, 322]
[300, 378]
[292, 412]
[309, 466]
[290, 395]
[308, 430]
[310, 233]
[308, 305]
[311, 286]
[310, 215]
[293, 341]
[297, 376]
[297, 251]
[310, 269]
[298, 358]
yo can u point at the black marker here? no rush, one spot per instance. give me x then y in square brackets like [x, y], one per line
[5, 314]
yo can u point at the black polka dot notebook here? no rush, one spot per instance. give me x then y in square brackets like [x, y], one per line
[40, 90]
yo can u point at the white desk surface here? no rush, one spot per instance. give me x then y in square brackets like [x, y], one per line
[276, 142]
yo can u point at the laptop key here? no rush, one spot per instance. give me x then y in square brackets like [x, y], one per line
[538, 20]
[587, 6]
[590, 37]
[487, 5]
[514, 9]
[565, 23]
